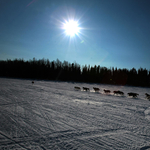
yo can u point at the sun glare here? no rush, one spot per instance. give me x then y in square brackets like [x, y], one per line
[71, 28]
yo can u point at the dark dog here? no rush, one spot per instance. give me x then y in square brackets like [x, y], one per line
[96, 89]
[106, 91]
[147, 96]
[86, 89]
[133, 94]
[77, 88]
[118, 92]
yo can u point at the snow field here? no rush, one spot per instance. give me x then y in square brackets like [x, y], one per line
[52, 115]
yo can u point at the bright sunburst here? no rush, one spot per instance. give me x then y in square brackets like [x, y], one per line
[71, 28]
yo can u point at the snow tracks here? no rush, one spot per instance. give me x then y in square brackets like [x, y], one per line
[52, 115]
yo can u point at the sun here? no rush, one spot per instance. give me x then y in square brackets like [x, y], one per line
[71, 28]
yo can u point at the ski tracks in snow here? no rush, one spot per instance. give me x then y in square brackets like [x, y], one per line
[147, 113]
[52, 115]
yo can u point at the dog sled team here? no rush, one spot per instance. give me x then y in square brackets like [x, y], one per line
[115, 92]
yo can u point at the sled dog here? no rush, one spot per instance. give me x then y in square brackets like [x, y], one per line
[86, 89]
[133, 94]
[118, 92]
[106, 91]
[96, 89]
[77, 88]
[147, 96]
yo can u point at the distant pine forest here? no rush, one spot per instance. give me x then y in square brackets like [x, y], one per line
[65, 71]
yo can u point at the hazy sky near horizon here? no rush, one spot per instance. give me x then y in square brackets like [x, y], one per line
[113, 33]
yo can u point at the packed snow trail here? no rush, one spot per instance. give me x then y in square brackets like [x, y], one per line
[52, 115]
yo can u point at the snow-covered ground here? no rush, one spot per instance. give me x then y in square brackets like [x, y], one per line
[52, 115]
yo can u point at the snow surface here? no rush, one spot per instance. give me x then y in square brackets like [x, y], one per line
[53, 115]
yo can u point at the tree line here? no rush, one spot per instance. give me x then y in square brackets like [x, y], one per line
[65, 71]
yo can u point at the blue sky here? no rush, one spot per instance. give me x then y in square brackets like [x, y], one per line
[114, 33]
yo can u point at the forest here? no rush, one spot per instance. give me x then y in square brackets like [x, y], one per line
[65, 71]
